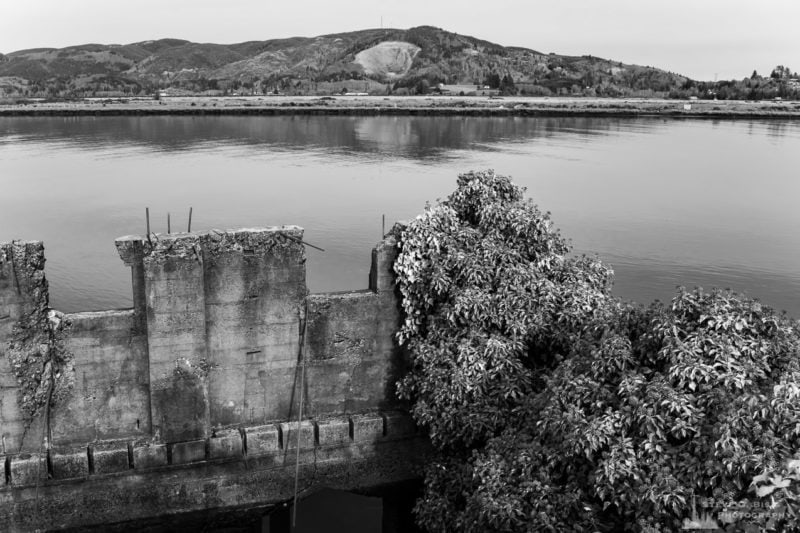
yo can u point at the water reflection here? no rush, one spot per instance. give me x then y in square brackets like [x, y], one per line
[417, 138]
[666, 202]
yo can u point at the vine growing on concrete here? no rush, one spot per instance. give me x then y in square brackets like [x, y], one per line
[36, 350]
[40, 362]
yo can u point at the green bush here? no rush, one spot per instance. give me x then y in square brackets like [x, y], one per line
[554, 406]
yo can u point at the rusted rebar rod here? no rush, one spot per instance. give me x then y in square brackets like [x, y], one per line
[301, 241]
[147, 215]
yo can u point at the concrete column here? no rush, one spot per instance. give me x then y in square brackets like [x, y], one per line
[381, 273]
[176, 327]
[131, 250]
[255, 283]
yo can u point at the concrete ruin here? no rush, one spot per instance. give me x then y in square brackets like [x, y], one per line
[190, 400]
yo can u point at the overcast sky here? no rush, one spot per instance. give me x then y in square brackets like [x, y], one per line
[697, 38]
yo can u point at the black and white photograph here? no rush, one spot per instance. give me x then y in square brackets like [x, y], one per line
[399, 267]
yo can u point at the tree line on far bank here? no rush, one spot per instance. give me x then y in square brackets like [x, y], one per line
[782, 83]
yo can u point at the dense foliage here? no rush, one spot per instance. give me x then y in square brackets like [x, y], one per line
[554, 406]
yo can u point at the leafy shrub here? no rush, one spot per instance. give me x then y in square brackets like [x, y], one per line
[555, 407]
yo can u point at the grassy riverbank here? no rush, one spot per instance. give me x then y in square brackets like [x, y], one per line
[419, 105]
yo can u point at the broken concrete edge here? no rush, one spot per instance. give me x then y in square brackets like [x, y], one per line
[381, 273]
[35, 349]
[228, 444]
[157, 246]
[78, 323]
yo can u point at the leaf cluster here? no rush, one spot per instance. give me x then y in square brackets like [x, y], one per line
[556, 407]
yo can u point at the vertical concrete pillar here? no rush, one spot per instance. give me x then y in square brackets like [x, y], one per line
[381, 272]
[176, 329]
[392, 362]
[254, 300]
[131, 250]
[23, 293]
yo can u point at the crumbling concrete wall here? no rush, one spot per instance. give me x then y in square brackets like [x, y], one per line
[221, 334]
[65, 380]
[223, 314]
[352, 356]
[255, 290]
[207, 368]
[176, 337]
[110, 398]
[34, 367]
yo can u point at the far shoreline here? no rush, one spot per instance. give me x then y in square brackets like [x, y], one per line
[342, 105]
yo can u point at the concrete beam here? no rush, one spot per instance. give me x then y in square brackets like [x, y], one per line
[359, 453]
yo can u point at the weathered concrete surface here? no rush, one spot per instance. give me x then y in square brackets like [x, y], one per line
[239, 476]
[111, 396]
[189, 400]
[353, 358]
[255, 289]
[24, 339]
[176, 335]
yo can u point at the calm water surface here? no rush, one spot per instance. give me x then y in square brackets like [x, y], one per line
[665, 202]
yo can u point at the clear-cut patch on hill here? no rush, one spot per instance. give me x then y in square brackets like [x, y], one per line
[390, 59]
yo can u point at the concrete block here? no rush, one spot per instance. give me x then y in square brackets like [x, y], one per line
[110, 459]
[367, 428]
[399, 424]
[333, 432]
[225, 444]
[70, 465]
[188, 452]
[149, 456]
[262, 440]
[28, 469]
[381, 273]
[289, 430]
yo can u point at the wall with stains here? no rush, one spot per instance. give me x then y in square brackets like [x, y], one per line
[223, 334]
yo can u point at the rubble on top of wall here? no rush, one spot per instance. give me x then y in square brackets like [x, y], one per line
[256, 241]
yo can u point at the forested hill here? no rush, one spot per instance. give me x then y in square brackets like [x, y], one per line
[377, 61]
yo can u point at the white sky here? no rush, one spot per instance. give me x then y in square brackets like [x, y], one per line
[697, 38]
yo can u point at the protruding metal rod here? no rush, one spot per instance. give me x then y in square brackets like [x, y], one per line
[189, 229]
[168, 226]
[295, 239]
[383, 226]
[147, 215]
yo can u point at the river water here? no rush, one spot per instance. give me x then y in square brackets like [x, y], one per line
[665, 202]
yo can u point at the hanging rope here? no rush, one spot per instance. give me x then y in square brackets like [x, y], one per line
[300, 412]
